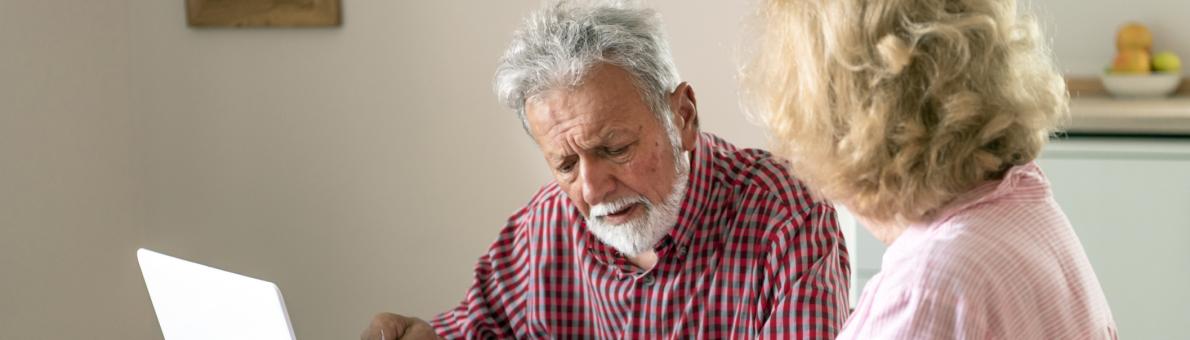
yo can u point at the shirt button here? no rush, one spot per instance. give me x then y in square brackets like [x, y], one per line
[648, 280]
[682, 250]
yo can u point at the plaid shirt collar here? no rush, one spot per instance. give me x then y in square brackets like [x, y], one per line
[694, 205]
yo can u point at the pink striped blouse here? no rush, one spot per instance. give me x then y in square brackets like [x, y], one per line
[1001, 262]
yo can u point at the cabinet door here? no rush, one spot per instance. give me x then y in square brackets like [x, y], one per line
[1132, 212]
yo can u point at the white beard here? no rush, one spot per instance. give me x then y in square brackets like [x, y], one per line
[642, 233]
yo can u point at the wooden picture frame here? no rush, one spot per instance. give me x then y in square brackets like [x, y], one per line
[263, 13]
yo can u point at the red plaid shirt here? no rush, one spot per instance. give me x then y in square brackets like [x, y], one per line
[751, 256]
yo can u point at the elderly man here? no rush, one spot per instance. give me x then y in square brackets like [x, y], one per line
[650, 229]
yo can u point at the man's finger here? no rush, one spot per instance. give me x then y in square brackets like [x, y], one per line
[373, 333]
[419, 329]
[368, 334]
[385, 326]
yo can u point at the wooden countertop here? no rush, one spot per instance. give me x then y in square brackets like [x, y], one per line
[1093, 111]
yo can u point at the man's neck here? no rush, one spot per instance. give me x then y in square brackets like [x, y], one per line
[645, 261]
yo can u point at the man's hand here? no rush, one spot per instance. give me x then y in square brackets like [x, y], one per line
[389, 326]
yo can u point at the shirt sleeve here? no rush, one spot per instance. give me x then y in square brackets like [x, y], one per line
[490, 301]
[812, 274]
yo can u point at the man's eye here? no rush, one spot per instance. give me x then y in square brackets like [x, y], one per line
[566, 167]
[616, 152]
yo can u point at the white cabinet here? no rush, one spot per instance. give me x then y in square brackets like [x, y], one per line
[1129, 202]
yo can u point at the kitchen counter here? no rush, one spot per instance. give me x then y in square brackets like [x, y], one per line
[1094, 112]
[1106, 115]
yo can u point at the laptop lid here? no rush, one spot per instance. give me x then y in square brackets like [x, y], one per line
[195, 302]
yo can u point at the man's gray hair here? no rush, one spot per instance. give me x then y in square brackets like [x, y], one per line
[559, 44]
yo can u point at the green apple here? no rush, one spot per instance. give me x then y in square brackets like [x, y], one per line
[1167, 62]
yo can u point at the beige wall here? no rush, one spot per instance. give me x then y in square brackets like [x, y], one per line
[69, 213]
[362, 168]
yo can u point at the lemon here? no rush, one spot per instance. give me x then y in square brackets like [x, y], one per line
[1167, 62]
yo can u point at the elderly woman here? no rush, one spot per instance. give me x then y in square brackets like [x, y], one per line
[924, 118]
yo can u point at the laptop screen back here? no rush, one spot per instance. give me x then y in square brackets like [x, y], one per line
[195, 302]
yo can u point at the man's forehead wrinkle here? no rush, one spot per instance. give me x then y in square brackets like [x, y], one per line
[586, 137]
[579, 128]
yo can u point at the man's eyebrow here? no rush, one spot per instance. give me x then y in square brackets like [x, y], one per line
[558, 157]
[610, 135]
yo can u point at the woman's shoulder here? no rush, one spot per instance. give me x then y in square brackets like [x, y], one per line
[1016, 262]
[990, 252]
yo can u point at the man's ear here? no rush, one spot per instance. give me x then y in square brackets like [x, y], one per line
[685, 110]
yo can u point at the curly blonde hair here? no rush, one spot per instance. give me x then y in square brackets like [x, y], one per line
[895, 107]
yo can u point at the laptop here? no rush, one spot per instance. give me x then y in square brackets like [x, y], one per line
[196, 302]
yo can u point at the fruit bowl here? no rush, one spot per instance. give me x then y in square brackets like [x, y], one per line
[1141, 85]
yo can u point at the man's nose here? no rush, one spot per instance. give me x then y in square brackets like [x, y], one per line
[597, 181]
